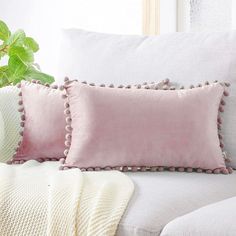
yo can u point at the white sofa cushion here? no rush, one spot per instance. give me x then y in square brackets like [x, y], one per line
[217, 219]
[9, 123]
[161, 197]
[186, 58]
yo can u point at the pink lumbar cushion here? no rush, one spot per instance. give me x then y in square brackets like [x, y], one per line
[43, 123]
[115, 128]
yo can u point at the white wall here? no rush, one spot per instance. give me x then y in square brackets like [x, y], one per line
[43, 20]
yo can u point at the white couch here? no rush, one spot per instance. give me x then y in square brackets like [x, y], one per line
[164, 203]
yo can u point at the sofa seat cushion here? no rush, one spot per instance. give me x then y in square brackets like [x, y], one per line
[163, 196]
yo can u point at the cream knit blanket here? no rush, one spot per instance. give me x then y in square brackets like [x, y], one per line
[38, 199]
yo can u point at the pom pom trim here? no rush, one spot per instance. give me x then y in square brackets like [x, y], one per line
[227, 170]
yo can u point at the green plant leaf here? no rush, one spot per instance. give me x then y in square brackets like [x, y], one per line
[3, 68]
[17, 68]
[4, 31]
[25, 54]
[4, 81]
[3, 50]
[4, 76]
[32, 73]
[31, 43]
[20, 50]
[17, 80]
[17, 38]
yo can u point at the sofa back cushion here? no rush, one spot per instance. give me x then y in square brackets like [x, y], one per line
[185, 58]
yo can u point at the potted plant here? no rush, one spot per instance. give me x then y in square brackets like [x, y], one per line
[18, 51]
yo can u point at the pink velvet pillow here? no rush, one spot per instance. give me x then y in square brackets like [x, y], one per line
[43, 123]
[140, 129]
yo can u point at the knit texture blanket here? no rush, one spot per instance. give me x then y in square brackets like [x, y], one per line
[38, 199]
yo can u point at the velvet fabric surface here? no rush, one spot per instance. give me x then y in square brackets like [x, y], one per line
[44, 125]
[138, 127]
